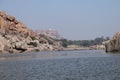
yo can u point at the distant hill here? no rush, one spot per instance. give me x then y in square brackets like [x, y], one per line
[50, 32]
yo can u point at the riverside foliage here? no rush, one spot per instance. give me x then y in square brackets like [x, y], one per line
[85, 43]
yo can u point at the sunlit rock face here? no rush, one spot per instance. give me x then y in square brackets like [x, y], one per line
[113, 45]
[10, 25]
[16, 37]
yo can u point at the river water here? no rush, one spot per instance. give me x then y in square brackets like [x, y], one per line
[60, 65]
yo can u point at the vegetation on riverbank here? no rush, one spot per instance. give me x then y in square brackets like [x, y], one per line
[85, 43]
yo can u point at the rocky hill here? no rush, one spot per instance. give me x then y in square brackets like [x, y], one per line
[50, 32]
[113, 45]
[15, 37]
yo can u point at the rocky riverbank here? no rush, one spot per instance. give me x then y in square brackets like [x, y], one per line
[113, 45]
[16, 37]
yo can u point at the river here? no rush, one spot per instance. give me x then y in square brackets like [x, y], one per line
[60, 65]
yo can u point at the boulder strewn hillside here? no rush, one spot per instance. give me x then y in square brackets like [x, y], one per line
[10, 26]
[113, 45]
[15, 37]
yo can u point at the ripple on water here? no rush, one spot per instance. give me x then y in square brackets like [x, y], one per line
[97, 67]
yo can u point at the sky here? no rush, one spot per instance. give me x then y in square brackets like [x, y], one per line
[74, 19]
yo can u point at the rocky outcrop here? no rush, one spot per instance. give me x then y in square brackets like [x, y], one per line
[15, 37]
[113, 45]
[10, 26]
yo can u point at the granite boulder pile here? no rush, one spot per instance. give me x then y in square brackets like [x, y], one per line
[16, 37]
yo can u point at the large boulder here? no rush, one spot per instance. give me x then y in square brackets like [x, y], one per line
[3, 42]
[113, 45]
[21, 46]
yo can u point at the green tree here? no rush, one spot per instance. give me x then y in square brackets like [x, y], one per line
[64, 42]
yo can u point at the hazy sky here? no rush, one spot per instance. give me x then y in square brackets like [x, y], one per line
[74, 19]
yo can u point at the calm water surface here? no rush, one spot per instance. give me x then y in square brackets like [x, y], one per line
[60, 65]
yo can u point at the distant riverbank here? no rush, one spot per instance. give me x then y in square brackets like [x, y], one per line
[75, 47]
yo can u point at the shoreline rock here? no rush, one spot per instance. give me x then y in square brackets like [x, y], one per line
[15, 37]
[113, 45]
